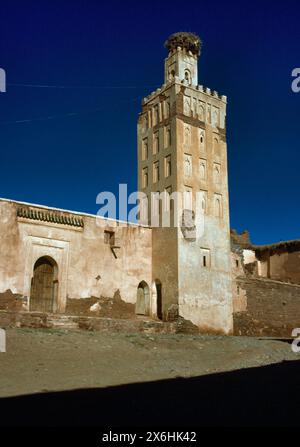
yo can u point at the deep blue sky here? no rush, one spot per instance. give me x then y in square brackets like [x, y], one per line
[249, 51]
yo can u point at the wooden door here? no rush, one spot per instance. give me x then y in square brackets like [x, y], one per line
[43, 286]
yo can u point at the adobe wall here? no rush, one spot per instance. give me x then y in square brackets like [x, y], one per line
[281, 266]
[165, 267]
[273, 308]
[87, 266]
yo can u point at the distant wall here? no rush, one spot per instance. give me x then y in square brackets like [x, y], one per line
[282, 266]
[273, 308]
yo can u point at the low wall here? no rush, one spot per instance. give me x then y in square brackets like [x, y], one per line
[273, 308]
[13, 319]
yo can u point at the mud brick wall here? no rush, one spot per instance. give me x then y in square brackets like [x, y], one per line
[273, 308]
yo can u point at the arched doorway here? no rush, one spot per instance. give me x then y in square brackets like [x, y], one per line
[159, 299]
[44, 285]
[143, 299]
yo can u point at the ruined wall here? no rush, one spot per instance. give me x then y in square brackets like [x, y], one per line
[273, 308]
[240, 239]
[279, 261]
[86, 264]
[266, 291]
[281, 265]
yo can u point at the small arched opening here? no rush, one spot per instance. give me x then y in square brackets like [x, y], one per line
[159, 309]
[216, 146]
[143, 299]
[44, 285]
[218, 208]
[171, 75]
[187, 76]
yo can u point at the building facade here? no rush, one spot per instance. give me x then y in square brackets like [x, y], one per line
[51, 256]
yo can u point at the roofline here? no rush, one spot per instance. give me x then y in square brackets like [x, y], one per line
[280, 244]
[78, 213]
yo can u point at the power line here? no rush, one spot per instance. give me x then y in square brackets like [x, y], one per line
[103, 87]
[70, 114]
[64, 115]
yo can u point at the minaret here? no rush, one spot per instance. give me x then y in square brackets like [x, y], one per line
[182, 148]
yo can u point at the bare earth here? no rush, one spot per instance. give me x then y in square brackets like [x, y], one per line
[40, 360]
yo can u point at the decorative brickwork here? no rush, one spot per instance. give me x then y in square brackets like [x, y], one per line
[46, 216]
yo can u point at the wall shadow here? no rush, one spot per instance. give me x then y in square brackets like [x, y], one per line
[265, 396]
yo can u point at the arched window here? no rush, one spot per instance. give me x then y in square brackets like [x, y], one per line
[156, 115]
[171, 75]
[216, 146]
[202, 170]
[201, 113]
[215, 120]
[167, 137]
[188, 199]
[187, 106]
[201, 139]
[218, 207]
[155, 143]
[187, 136]
[203, 202]
[209, 114]
[187, 165]
[167, 109]
[216, 174]
[194, 107]
[187, 76]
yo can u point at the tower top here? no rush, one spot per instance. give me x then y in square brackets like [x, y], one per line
[189, 41]
[182, 60]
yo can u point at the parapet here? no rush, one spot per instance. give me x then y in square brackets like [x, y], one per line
[200, 88]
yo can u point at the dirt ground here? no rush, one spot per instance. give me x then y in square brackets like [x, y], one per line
[41, 360]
